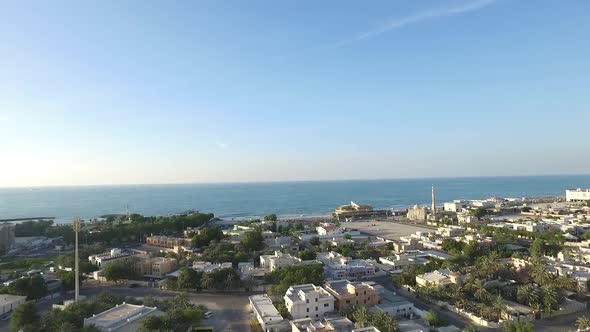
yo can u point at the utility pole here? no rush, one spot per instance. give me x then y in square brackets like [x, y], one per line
[77, 222]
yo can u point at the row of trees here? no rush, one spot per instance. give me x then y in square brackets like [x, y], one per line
[284, 277]
[115, 233]
[221, 279]
[32, 287]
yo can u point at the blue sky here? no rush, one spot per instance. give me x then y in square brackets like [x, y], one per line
[113, 92]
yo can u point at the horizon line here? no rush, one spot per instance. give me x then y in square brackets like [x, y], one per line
[286, 181]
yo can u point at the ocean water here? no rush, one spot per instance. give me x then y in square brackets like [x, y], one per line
[258, 199]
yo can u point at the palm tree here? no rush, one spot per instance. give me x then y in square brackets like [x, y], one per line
[207, 282]
[550, 298]
[583, 323]
[538, 271]
[384, 322]
[479, 290]
[361, 316]
[498, 305]
[568, 282]
[525, 294]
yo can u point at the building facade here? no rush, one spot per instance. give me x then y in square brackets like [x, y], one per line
[347, 294]
[7, 235]
[304, 301]
[577, 195]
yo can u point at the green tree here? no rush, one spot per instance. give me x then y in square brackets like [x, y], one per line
[526, 209]
[189, 278]
[252, 241]
[315, 241]
[434, 319]
[121, 270]
[25, 318]
[347, 236]
[271, 217]
[307, 255]
[32, 287]
[538, 248]
[518, 326]
[206, 236]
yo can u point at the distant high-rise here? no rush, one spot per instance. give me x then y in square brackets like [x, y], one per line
[433, 203]
[6, 235]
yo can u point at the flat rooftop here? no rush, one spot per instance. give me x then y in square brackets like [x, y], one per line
[385, 229]
[119, 316]
[264, 307]
[7, 298]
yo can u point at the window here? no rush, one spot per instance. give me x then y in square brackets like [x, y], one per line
[326, 304]
[316, 308]
[316, 299]
[347, 301]
[307, 300]
[307, 309]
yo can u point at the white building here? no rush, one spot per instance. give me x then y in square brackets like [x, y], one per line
[454, 206]
[341, 267]
[329, 230]
[9, 302]
[267, 314]
[308, 300]
[278, 260]
[122, 318]
[102, 260]
[577, 195]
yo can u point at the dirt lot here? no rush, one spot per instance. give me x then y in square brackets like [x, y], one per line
[387, 229]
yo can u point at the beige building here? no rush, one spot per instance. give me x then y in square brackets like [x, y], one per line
[347, 293]
[6, 235]
[417, 213]
[157, 266]
[438, 278]
[166, 241]
[122, 318]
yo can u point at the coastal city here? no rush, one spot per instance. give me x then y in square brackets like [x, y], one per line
[495, 264]
[294, 166]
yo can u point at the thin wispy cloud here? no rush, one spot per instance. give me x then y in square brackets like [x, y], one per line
[221, 145]
[417, 18]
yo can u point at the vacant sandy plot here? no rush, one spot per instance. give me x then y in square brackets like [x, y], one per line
[386, 229]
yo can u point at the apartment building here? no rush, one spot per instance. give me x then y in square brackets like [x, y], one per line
[347, 293]
[158, 266]
[304, 301]
[7, 235]
[577, 195]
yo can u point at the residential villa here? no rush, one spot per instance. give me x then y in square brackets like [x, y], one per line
[304, 301]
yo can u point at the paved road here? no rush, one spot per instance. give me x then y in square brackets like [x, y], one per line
[231, 312]
[451, 318]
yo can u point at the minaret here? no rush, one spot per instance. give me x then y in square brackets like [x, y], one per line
[433, 203]
[77, 258]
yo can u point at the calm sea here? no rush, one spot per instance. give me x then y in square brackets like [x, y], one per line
[259, 199]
